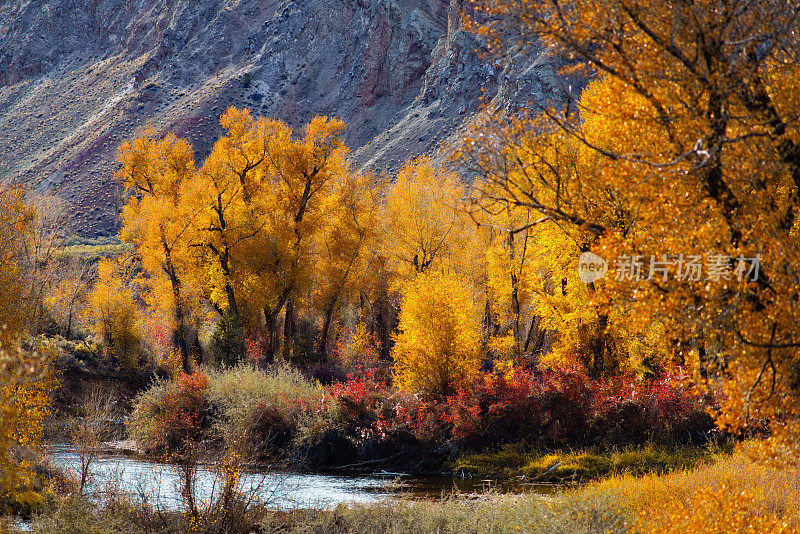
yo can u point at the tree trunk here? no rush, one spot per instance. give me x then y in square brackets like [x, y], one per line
[288, 330]
[599, 349]
[598, 356]
[383, 335]
[326, 325]
[702, 357]
[273, 340]
[515, 307]
[179, 335]
[233, 308]
[271, 324]
[535, 338]
[179, 338]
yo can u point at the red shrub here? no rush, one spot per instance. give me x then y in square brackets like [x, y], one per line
[543, 408]
[669, 408]
[185, 412]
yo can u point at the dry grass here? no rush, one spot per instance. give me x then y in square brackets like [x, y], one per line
[735, 494]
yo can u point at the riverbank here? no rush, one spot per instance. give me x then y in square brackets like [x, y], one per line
[588, 464]
[278, 415]
[733, 494]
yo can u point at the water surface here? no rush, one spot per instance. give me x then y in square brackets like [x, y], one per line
[159, 484]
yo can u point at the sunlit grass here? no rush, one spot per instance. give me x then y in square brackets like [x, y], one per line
[734, 494]
[89, 250]
[587, 464]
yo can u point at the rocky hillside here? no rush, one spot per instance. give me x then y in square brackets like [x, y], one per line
[77, 77]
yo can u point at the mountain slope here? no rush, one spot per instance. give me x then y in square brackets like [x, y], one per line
[76, 78]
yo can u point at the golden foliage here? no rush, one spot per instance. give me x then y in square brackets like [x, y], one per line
[157, 220]
[25, 379]
[15, 220]
[272, 222]
[425, 225]
[116, 317]
[261, 198]
[687, 143]
[25, 384]
[439, 340]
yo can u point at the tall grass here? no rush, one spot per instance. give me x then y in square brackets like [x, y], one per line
[238, 393]
[733, 494]
[490, 514]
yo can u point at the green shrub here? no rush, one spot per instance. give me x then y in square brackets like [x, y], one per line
[228, 345]
[141, 426]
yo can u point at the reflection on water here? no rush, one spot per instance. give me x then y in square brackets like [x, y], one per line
[159, 484]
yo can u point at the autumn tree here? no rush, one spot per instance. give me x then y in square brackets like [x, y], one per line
[693, 125]
[509, 250]
[527, 159]
[15, 220]
[156, 220]
[424, 223]
[37, 250]
[344, 252]
[115, 314]
[67, 296]
[24, 377]
[25, 384]
[422, 227]
[32, 229]
[438, 342]
[261, 196]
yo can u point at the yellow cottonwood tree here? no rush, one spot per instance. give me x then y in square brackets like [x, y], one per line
[509, 254]
[24, 378]
[261, 195]
[156, 220]
[425, 225]
[15, 219]
[344, 257]
[438, 342]
[66, 299]
[528, 169]
[116, 318]
[25, 384]
[693, 129]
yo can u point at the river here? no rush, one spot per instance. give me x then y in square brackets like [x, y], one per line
[159, 483]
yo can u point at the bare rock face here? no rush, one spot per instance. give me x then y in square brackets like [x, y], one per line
[78, 77]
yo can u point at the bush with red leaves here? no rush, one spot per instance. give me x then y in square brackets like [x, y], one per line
[174, 414]
[543, 408]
